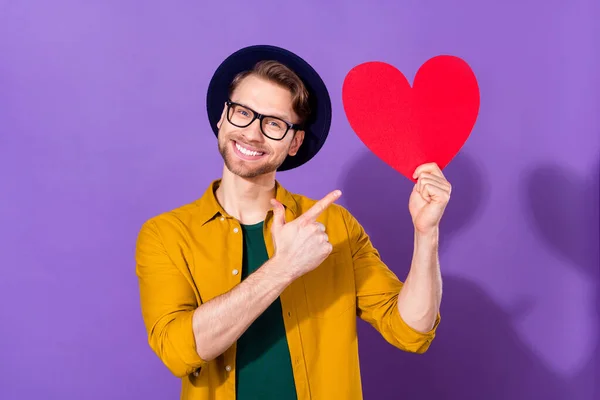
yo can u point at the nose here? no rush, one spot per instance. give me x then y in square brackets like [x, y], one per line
[253, 132]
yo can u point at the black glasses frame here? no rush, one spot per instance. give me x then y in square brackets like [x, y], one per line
[260, 117]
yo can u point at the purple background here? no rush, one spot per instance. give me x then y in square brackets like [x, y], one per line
[103, 125]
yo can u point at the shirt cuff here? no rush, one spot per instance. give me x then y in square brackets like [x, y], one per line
[411, 339]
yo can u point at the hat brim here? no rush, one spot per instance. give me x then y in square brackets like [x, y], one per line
[318, 124]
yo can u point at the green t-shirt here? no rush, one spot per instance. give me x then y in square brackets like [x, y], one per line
[263, 365]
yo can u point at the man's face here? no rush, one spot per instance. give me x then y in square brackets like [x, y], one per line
[246, 151]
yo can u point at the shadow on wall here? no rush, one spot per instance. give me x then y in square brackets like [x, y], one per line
[477, 354]
[565, 211]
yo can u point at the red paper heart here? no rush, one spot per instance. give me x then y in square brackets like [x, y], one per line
[406, 127]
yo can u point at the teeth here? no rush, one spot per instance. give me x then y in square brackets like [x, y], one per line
[247, 152]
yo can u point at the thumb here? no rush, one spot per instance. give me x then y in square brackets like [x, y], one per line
[278, 215]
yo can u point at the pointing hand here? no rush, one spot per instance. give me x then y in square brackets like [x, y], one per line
[302, 244]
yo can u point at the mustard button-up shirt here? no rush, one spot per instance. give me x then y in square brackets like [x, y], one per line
[192, 254]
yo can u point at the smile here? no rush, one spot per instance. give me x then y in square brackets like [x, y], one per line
[245, 153]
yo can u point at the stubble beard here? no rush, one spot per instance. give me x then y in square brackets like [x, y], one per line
[244, 169]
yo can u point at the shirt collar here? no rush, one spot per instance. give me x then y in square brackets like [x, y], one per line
[210, 207]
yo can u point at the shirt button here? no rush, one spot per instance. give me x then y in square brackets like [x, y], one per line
[235, 230]
[222, 218]
[196, 373]
[228, 368]
[235, 272]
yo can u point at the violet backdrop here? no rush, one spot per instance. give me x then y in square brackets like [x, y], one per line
[103, 125]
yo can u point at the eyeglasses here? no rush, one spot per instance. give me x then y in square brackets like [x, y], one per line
[272, 127]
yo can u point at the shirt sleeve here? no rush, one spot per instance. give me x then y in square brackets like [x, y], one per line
[167, 303]
[377, 290]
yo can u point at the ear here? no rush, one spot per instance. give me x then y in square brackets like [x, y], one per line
[222, 116]
[296, 143]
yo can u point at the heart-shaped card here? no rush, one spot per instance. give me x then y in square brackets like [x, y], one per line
[406, 127]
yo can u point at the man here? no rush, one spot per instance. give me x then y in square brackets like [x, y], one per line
[252, 292]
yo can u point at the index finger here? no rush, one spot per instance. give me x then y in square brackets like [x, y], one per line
[321, 205]
[432, 168]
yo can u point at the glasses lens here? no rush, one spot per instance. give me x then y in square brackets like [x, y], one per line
[274, 127]
[239, 115]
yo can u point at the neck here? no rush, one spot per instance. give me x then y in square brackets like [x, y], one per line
[246, 199]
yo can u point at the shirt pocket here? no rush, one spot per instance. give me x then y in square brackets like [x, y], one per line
[329, 288]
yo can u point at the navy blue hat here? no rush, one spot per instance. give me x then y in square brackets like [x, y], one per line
[316, 127]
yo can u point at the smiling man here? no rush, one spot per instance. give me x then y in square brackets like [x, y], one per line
[251, 291]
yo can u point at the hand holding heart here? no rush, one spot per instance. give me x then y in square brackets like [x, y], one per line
[415, 130]
[429, 198]
[301, 244]
[408, 126]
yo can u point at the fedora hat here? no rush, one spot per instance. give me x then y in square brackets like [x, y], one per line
[316, 127]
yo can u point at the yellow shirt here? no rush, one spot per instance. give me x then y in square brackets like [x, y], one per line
[192, 254]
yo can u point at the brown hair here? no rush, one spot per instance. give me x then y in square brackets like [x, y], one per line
[279, 74]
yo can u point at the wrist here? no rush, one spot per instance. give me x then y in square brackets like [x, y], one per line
[278, 268]
[429, 237]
